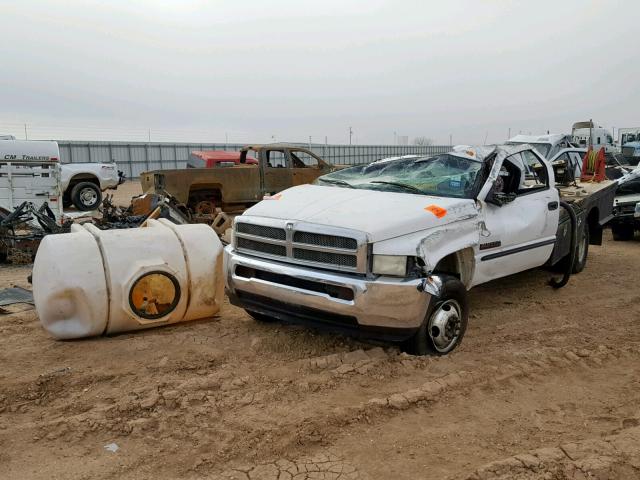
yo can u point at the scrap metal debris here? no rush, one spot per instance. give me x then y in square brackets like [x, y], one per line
[142, 208]
[22, 230]
[12, 296]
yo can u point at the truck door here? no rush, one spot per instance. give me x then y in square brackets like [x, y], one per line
[520, 233]
[277, 174]
[305, 167]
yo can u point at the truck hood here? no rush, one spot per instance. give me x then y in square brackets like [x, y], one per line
[382, 215]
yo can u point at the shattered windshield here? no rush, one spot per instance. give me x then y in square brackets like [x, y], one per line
[444, 175]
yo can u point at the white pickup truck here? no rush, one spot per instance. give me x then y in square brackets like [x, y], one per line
[390, 249]
[81, 184]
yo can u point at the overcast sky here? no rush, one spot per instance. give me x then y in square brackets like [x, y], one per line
[287, 70]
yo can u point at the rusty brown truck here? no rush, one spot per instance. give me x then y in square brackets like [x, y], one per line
[234, 188]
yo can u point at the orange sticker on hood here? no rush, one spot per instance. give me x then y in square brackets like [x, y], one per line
[436, 210]
[272, 197]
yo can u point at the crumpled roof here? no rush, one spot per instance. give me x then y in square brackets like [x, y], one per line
[478, 153]
[482, 152]
[551, 138]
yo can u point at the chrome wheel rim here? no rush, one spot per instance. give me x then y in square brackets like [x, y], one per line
[444, 325]
[88, 197]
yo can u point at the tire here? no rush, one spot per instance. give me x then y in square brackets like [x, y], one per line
[86, 196]
[430, 338]
[582, 250]
[261, 317]
[622, 233]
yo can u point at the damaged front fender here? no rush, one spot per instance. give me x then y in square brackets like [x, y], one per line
[454, 240]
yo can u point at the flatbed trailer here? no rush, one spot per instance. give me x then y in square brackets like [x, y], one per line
[592, 203]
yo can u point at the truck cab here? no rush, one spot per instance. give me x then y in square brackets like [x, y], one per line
[588, 134]
[631, 152]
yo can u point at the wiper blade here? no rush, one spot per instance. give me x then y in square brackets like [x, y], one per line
[401, 185]
[336, 182]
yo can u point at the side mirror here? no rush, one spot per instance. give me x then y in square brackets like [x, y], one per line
[499, 198]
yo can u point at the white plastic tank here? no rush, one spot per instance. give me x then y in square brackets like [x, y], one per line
[92, 282]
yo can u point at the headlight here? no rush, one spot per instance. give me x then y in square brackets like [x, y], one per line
[395, 265]
[636, 213]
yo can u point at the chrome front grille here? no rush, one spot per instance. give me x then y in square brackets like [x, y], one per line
[301, 243]
[627, 208]
[323, 240]
[262, 231]
[339, 259]
[269, 248]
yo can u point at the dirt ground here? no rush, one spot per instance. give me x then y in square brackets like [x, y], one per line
[545, 385]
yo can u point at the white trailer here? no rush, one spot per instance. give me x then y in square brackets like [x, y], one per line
[80, 184]
[30, 172]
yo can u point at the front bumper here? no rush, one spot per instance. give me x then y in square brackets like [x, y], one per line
[385, 308]
[626, 218]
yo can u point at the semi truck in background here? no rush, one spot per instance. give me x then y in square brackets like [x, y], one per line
[629, 141]
[583, 135]
[588, 134]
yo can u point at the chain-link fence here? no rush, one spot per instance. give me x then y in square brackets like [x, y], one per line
[136, 157]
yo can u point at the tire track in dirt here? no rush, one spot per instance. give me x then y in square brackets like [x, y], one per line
[327, 428]
[218, 394]
[614, 457]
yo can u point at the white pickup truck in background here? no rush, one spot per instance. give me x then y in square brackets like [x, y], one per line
[390, 249]
[81, 184]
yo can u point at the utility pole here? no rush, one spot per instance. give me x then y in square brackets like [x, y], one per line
[450, 140]
[26, 137]
[226, 140]
[395, 138]
[350, 134]
[509, 134]
[309, 142]
[149, 135]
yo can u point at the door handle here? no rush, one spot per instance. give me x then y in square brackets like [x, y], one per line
[552, 205]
